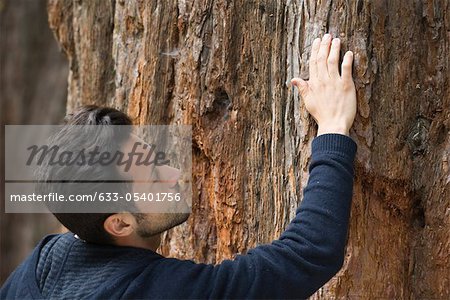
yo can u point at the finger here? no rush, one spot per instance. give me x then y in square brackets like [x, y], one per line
[301, 85]
[333, 59]
[322, 56]
[347, 64]
[313, 59]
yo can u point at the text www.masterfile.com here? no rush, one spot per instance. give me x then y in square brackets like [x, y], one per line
[101, 197]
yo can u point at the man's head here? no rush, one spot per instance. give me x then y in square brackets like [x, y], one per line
[123, 227]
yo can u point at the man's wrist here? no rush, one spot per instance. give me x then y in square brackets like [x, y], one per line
[333, 129]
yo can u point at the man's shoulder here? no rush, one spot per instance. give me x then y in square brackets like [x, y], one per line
[16, 286]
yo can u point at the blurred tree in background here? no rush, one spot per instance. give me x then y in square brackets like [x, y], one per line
[33, 87]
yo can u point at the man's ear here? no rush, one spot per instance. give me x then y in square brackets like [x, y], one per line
[120, 224]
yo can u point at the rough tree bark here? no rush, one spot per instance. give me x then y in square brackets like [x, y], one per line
[33, 91]
[222, 66]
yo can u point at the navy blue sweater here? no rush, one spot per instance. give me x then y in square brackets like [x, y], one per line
[304, 258]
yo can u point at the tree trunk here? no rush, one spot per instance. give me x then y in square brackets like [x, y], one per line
[33, 91]
[222, 66]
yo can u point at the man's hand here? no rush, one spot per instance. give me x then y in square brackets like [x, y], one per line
[329, 97]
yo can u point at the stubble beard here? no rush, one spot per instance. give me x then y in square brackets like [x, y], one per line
[170, 220]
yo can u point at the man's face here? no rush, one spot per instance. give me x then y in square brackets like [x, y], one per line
[154, 179]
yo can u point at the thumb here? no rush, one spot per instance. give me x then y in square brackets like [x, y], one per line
[301, 85]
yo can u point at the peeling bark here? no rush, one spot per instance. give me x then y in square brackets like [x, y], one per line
[222, 66]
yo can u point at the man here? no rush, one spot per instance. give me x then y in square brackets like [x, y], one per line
[115, 255]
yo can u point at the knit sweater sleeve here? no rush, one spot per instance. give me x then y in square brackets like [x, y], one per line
[311, 250]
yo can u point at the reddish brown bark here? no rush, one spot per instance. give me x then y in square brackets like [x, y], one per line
[222, 66]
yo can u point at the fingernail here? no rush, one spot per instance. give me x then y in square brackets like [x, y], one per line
[336, 40]
[327, 36]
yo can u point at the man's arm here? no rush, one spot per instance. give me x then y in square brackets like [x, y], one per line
[311, 250]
